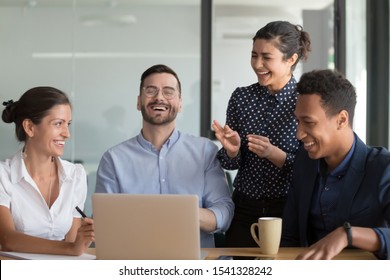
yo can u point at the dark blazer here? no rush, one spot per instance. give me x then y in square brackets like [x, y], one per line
[364, 201]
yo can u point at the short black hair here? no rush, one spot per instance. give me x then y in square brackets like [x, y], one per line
[336, 92]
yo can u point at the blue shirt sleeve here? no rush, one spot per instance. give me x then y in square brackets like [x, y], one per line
[381, 253]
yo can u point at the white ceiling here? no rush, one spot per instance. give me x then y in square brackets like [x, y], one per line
[303, 4]
[235, 19]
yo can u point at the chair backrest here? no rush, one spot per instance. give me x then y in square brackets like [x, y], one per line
[230, 181]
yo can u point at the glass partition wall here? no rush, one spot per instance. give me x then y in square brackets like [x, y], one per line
[234, 25]
[96, 52]
[356, 68]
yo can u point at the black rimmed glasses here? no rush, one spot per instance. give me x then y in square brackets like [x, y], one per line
[167, 92]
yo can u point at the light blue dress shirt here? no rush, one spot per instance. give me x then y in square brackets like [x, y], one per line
[185, 164]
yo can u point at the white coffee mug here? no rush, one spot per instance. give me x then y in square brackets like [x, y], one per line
[268, 234]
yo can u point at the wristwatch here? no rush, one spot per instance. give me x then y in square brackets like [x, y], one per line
[348, 230]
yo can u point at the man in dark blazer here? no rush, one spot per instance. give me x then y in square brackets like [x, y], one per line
[340, 194]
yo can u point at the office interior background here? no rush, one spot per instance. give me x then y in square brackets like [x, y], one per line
[96, 50]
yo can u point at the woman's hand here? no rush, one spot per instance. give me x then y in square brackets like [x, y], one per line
[229, 138]
[85, 236]
[260, 145]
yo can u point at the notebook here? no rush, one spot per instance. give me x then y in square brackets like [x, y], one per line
[146, 227]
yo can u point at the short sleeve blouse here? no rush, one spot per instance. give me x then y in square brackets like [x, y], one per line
[30, 213]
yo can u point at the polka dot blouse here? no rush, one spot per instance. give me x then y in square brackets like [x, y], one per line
[254, 110]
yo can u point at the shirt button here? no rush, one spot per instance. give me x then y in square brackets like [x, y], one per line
[163, 180]
[326, 188]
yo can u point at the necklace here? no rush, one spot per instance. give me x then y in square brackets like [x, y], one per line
[50, 180]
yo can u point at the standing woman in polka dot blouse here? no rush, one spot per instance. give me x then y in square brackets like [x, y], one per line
[259, 138]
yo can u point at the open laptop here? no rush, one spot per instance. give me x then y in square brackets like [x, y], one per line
[145, 227]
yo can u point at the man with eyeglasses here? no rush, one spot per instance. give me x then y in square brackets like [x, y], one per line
[163, 160]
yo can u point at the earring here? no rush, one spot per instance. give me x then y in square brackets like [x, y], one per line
[24, 154]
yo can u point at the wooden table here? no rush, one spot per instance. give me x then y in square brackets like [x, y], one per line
[283, 254]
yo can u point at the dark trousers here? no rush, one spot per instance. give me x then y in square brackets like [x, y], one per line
[247, 212]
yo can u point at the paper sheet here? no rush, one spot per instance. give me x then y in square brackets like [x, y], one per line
[31, 256]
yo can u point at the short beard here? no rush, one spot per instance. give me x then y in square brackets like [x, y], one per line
[158, 120]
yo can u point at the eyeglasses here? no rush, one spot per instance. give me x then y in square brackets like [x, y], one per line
[167, 92]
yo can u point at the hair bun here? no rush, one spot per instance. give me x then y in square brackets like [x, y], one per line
[8, 115]
[7, 103]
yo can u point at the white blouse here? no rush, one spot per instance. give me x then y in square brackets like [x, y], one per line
[29, 210]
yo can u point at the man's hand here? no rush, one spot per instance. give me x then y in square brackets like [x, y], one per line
[328, 247]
